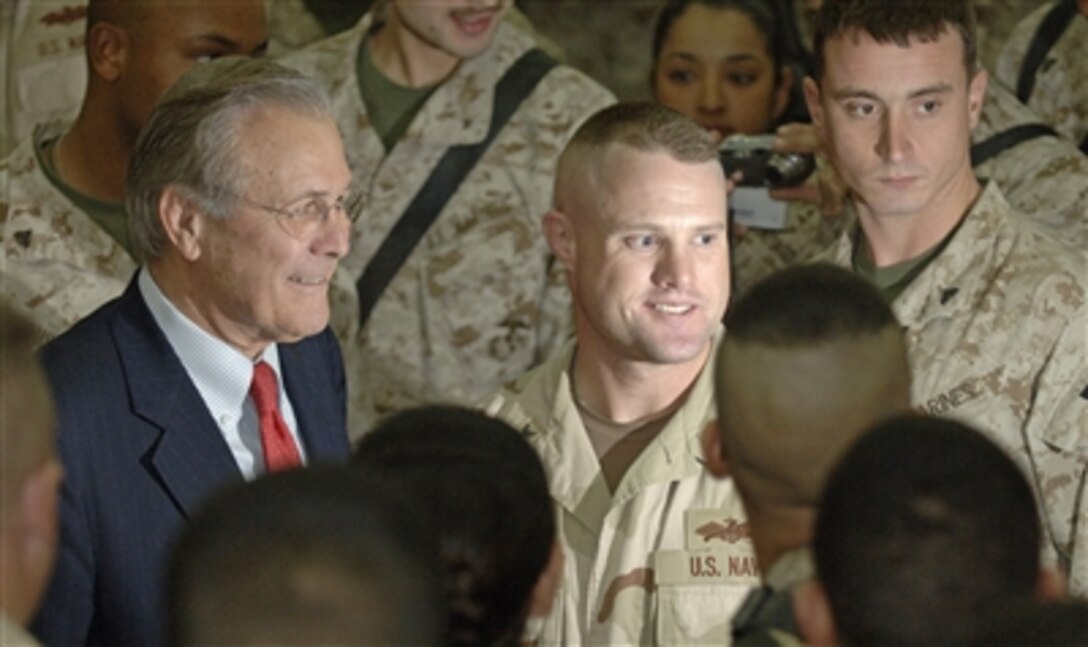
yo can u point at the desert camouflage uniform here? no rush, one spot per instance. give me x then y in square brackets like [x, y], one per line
[291, 26]
[1060, 95]
[42, 67]
[479, 301]
[667, 558]
[996, 331]
[1045, 178]
[759, 253]
[59, 266]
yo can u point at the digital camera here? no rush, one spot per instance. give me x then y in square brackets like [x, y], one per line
[761, 165]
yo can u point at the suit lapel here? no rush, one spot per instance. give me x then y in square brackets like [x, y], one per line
[190, 459]
[318, 411]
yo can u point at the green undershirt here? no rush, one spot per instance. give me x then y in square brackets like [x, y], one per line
[891, 280]
[391, 106]
[110, 216]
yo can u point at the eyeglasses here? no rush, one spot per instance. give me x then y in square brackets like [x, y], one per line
[311, 213]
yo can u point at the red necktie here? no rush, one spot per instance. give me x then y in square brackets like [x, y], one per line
[279, 447]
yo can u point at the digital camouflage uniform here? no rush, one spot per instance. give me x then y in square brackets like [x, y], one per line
[43, 70]
[996, 331]
[760, 252]
[667, 558]
[59, 266]
[1060, 95]
[1045, 178]
[479, 301]
[291, 26]
[766, 617]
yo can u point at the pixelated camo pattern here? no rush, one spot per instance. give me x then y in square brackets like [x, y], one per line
[478, 302]
[1060, 96]
[59, 266]
[997, 331]
[1045, 178]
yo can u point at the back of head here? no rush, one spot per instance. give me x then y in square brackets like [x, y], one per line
[895, 22]
[191, 139]
[638, 125]
[925, 528]
[485, 489]
[813, 356]
[311, 556]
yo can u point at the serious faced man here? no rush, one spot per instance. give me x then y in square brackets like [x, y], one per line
[215, 365]
[639, 225]
[994, 309]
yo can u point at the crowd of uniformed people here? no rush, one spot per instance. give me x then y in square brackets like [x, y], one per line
[333, 322]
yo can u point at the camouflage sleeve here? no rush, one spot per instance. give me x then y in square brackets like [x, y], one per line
[1058, 437]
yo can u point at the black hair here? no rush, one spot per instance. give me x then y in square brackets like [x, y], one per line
[807, 304]
[761, 15]
[485, 489]
[315, 555]
[895, 21]
[925, 527]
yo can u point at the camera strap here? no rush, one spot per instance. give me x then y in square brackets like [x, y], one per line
[512, 89]
[1049, 31]
[1000, 142]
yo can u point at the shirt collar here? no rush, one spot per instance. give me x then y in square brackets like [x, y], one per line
[220, 372]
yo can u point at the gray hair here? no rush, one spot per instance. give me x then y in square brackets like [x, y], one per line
[190, 141]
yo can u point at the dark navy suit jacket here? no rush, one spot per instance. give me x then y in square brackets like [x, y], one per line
[141, 452]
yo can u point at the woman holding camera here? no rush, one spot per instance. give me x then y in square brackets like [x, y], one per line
[727, 65]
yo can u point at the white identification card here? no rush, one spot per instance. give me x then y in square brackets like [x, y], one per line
[753, 207]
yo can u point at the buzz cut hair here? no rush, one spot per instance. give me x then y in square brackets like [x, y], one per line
[925, 527]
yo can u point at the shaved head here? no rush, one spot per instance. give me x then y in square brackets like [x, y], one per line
[791, 412]
[812, 358]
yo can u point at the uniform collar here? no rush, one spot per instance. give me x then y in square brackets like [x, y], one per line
[952, 282]
[459, 111]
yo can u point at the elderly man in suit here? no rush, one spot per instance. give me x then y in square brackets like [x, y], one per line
[216, 363]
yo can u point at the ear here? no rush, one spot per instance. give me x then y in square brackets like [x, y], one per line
[543, 597]
[976, 94]
[812, 611]
[782, 93]
[1051, 586]
[560, 236]
[107, 50]
[812, 100]
[713, 452]
[182, 222]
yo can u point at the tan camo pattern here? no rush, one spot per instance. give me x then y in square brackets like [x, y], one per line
[996, 330]
[758, 253]
[1060, 96]
[478, 302]
[610, 593]
[42, 67]
[291, 26]
[1045, 178]
[59, 266]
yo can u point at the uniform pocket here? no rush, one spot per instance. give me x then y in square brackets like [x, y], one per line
[698, 591]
